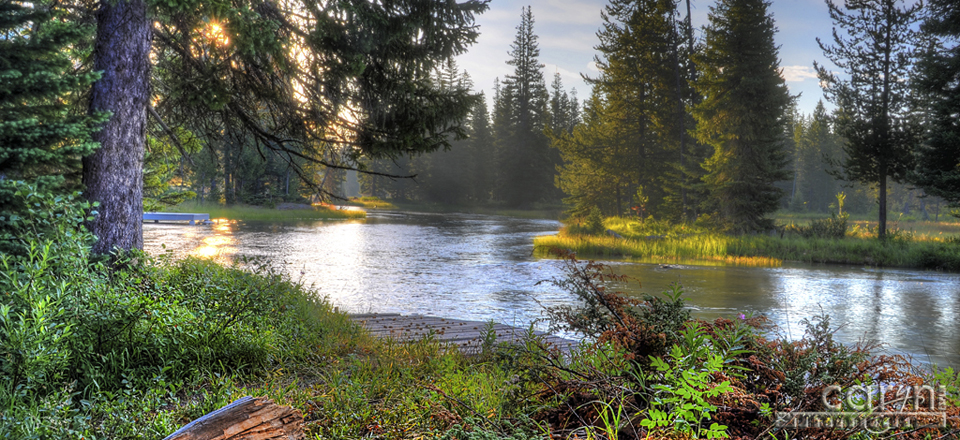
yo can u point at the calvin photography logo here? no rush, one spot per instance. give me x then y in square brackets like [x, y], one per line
[873, 408]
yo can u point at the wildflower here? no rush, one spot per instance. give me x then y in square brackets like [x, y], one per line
[742, 316]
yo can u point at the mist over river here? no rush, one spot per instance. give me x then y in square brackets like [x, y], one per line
[481, 267]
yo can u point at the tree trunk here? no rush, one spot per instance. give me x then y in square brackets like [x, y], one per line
[882, 199]
[113, 175]
[247, 418]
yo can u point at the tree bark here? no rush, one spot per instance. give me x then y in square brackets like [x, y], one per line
[247, 418]
[882, 198]
[113, 175]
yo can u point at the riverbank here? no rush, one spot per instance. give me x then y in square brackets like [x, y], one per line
[282, 212]
[658, 242]
[188, 337]
[142, 347]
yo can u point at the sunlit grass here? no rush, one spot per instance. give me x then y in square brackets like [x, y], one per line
[661, 242]
[705, 250]
[370, 203]
[866, 225]
[248, 212]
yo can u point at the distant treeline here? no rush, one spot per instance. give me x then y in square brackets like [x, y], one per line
[680, 125]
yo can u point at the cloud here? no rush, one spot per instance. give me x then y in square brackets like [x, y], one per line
[578, 12]
[569, 41]
[593, 66]
[798, 73]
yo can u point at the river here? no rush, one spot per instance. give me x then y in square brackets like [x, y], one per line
[481, 267]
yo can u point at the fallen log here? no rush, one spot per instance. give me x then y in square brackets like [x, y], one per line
[247, 418]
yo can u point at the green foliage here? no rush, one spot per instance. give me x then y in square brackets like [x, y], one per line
[833, 227]
[742, 115]
[936, 83]
[35, 216]
[79, 341]
[160, 164]
[520, 116]
[816, 147]
[873, 103]
[594, 222]
[680, 400]
[42, 137]
[635, 123]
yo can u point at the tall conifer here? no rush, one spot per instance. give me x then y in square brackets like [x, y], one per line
[875, 48]
[742, 114]
[938, 165]
[41, 139]
[521, 114]
[644, 83]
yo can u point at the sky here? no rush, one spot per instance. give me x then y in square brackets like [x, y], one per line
[567, 34]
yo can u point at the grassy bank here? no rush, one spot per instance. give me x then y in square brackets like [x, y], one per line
[248, 212]
[658, 242]
[369, 203]
[137, 349]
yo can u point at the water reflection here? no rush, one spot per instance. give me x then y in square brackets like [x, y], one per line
[220, 245]
[481, 267]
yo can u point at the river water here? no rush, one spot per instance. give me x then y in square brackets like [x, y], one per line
[481, 267]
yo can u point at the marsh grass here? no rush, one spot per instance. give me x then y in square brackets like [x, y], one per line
[707, 250]
[661, 242]
[248, 212]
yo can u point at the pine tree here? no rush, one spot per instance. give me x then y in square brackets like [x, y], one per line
[482, 152]
[742, 115]
[525, 160]
[938, 164]
[595, 171]
[645, 85]
[41, 138]
[820, 148]
[564, 108]
[330, 85]
[873, 103]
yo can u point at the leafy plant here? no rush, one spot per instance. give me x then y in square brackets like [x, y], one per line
[681, 393]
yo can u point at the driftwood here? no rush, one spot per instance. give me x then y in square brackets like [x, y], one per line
[247, 418]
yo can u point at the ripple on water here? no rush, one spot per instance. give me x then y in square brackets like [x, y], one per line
[479, 267]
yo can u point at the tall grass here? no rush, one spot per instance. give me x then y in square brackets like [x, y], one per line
[660, 242]
[248, 212]
[370, 202]
[700, 249]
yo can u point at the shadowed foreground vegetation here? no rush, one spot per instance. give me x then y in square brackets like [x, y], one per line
[823, 240]
[138, 348]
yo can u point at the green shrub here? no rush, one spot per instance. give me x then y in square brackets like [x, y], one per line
[82, 344]
[834, 227]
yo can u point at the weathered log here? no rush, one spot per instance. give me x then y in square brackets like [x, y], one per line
[247, 418]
